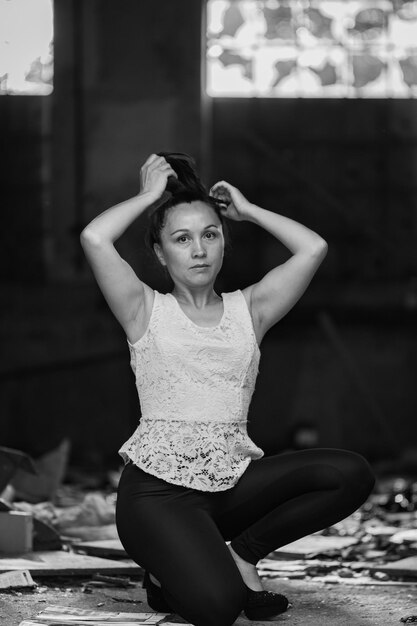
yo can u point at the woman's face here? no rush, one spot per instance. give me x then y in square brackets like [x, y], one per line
[192, 236]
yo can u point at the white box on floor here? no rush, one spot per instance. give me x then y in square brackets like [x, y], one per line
[16, 532]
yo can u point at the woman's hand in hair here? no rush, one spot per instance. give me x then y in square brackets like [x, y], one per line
[234, 204]
[154, 175]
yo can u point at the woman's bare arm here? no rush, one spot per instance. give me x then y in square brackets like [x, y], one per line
[277, 292]
[121, 287]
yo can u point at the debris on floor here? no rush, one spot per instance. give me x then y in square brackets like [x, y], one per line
[16, 580]
[81, 617]
[11, 461]
[109, 548]
[50, 471]
[308, 547]
[377, 545]
[62, 563]
[16, 532]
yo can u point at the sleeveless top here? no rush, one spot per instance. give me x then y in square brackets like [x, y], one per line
[195, 385]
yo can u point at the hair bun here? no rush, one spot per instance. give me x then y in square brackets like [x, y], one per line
[185, 167]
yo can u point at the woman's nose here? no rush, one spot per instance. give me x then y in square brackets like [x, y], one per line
[198, 248]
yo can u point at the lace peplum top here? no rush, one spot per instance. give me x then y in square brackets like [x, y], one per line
[195, 385]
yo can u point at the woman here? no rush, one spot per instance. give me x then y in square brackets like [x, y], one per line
[193, 479]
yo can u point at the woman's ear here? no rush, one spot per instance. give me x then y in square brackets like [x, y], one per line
[158, 251]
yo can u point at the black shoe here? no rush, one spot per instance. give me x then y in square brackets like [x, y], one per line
[154, 595]
[261, 605]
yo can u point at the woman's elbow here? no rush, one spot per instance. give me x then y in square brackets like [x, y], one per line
[319, 250]
[88, 237]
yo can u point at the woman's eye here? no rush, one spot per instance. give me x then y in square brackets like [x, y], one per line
[210, 235]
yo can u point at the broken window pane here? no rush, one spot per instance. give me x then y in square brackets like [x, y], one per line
[312, 48]
[26, 47]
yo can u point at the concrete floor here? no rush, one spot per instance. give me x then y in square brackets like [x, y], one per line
[314, 604]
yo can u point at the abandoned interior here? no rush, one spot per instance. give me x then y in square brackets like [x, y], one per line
[309, 108]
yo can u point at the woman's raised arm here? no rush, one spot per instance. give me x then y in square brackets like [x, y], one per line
[121, 287]
[277, 292]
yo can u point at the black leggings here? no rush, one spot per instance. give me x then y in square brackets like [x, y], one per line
[179, 534]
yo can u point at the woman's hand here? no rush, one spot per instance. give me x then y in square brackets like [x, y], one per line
[154, 175]
[235, 205]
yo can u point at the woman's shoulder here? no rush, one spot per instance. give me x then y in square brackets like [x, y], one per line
[237, 295]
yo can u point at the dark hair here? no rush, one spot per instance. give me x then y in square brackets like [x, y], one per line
[186, 188]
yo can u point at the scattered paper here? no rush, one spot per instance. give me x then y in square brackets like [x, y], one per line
[71, 616]
[13, 580]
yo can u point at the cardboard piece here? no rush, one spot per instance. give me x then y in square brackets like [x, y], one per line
[50, 471]
[45, 537]
[10, 461]
[113, 581]
[91, 617]
[68, 564]
[405, 536]
[5, 506]
[87, 534]
[404, 567]
[294, 565]
[382, 531]
[330, 579]
[311, 545]
[16, 532]
[16, 580]
[106, 548]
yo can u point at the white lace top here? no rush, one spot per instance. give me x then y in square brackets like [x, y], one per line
[195, 385]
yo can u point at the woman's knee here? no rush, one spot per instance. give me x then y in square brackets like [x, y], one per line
[221, 611]
[212, 606]
[225, 617]
[357, 472]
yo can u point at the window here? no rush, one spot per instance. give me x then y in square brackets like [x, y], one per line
[312, 48]
[26, 47]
